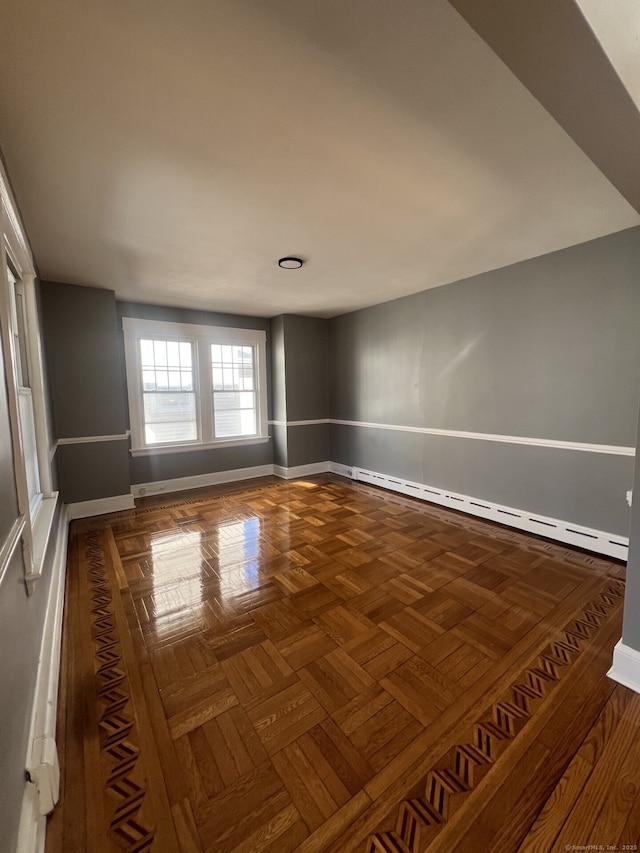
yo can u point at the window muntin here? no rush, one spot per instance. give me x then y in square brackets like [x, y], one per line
[192, 386]
[19, 329]
[234, 395]
[168, 391]
[26, 414]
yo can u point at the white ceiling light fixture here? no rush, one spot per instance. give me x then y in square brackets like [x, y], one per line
[290, 263]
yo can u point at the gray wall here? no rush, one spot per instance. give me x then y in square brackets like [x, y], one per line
[83, 360]
[301, 390]
[548, 348]
[279, 392]
[307, 358]
[85, 376]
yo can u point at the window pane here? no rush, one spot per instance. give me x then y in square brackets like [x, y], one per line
[234, 400]
[146, 353]
[149, 380]
[173, 353]
[248, 422]
[234, 422]
[160, 353]
[170, 417]
[167, 382]
[217, 378]
[175, 383]
[227, 379]
[28, 432]
[162, 380]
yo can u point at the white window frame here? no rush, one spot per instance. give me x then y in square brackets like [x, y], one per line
[32, 528]
[202, 337]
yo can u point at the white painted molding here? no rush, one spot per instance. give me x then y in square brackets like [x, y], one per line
[298, 471]
[588, 538]
[10, 544]
[302, 423]
[41, 533]
[611, 449]
[342, 470]
[101, 506]
[197, 481]
[41, 792]
[93, 439]
[160, 449]
[625, 668]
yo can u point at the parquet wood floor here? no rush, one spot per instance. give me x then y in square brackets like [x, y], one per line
[321, 666]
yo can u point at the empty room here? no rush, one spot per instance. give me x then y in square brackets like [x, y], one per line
[320, 351]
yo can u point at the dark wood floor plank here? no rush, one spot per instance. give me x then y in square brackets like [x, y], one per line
[324, 667]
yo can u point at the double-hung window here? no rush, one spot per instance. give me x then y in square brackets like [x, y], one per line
[25, 434]
[18, 323]
[194, 386]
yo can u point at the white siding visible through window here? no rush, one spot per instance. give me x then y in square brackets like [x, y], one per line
[169, 399]
[194, 386]
[234, 396]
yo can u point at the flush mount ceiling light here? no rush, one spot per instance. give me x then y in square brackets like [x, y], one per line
[290, 263]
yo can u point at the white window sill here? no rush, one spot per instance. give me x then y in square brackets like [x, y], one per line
[189, 448]
[41, 534]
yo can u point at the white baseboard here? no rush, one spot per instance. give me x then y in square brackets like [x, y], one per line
[215, 478]
[599, 541]
[588, 538]
[41, 793]
[101, 506]
[342, 470]
[625, 668]
[301, 470]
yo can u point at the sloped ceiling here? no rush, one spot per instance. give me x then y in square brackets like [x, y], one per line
[173, 151]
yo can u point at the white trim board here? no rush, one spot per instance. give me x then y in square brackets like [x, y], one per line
[101, 506]
[625, 668]
[216, 478]
[585, 447]
[301, 423]
[93, 439]
[180, 484]
[10, 544]
[297, 471]
[588, 538]
[41, 792]
[42, 532]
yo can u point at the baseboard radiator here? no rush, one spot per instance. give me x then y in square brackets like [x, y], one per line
[588, 538]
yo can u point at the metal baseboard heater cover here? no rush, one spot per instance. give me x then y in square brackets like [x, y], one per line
[590, 539]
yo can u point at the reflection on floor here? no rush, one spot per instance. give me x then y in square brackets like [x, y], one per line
[322, 666]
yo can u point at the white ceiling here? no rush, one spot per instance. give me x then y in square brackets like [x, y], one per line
[617, 27]
[172, 151]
